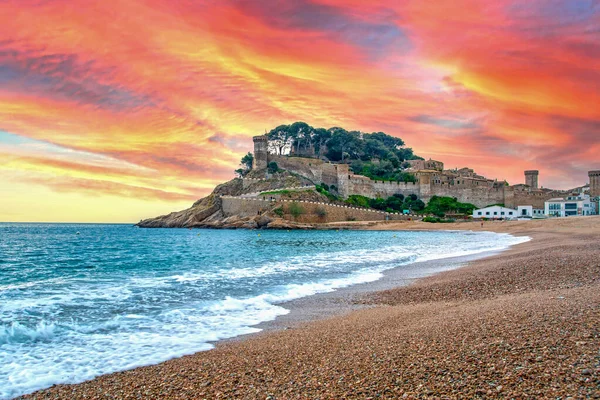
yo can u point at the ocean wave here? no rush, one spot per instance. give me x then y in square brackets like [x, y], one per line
[18, 333]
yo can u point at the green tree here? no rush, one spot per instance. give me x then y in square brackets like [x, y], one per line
[301, 134]
[245, 164]
[280, 139]
[320, 138]
[341, 144]
[247, 161]
[440, 206]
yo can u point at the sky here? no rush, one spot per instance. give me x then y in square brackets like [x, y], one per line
[114, 111]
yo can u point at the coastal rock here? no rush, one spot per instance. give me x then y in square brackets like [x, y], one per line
[263, 221]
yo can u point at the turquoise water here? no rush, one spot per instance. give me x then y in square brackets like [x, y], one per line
[77, 301]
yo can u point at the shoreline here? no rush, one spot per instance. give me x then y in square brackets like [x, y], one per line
[347, 299]
[448, 316]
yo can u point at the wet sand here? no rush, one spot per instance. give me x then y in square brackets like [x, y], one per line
[524, 323]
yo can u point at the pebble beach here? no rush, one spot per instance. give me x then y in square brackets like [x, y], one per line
[524, 323]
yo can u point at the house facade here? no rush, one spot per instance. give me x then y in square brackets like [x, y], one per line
[495, 212]
[574, 205]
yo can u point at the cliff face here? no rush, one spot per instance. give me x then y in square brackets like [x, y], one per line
[203, 210]
[208, 211]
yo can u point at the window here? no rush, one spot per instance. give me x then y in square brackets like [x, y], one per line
[478, 212]
[510, 213]
[502, 213]
[487, 213]
[495, 212]
[571, 206]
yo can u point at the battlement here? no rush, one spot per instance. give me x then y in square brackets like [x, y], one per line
[594, 173]
[532, 172]
[261, 138]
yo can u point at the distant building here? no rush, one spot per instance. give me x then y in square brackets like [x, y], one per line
[530, 212]
[495, 212]
[574, 205]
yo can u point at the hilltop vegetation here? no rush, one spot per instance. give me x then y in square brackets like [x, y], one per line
[337, 144]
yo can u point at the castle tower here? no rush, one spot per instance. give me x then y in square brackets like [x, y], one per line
[531, 178]
[261, 152]
[594, 183]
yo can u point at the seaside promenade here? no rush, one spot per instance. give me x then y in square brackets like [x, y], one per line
[521, 324]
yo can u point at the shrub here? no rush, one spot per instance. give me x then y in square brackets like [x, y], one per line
[278, 211]
[358, 200]
[438, 220]
[272, 167]
[321, 212]
[350, 218]
[296, 210]
[440, 206]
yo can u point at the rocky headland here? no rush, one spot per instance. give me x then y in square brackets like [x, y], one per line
[208, 212]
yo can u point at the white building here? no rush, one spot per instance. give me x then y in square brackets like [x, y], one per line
[495, 212]
[570, 206]
[530, 212]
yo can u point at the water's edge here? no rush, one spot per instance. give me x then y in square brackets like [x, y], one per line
[344, 300]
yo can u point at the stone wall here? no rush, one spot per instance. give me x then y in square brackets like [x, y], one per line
[479, 196]
[244, 207]
[364, 186]
[311, 168]
[316, 170]
[249, 207]
[535, 198]
[337, 213]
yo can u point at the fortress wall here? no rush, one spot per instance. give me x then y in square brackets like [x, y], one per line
[311, 168]
[479, 196]
[336, 213]
[535, 199]
[509, 198]
[329, 174]
[250, 207]
[244, 207]
[366, 187]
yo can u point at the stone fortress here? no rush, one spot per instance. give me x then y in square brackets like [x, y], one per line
[432, 180]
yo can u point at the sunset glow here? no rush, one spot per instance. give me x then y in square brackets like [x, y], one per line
[113, 111]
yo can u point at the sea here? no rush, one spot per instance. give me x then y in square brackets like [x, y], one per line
[81, 300]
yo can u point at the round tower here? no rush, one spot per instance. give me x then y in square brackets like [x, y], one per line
[594, 183]
[261, 152]
[531, 178]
